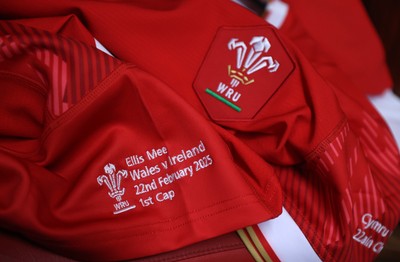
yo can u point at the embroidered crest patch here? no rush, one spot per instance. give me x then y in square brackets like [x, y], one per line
[242, 70]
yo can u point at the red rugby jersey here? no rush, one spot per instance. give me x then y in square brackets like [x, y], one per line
[298, 130]
[98, 165]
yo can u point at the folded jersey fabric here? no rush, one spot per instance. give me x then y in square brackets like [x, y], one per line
[337, 37]
[219, 115]
[97, 164]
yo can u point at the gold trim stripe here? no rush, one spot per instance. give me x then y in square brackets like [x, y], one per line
[247, 242]
[258, 244]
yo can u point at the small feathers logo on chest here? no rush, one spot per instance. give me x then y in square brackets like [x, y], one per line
[242, 70]
[250, 61]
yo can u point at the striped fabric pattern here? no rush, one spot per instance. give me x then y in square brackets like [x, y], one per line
[334, 219]
[62, 63]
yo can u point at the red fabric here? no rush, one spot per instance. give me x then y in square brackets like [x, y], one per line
[227, 247]
[14, 248]
[55, 189]
[305, 136]
[339, 38]
[350, 57]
